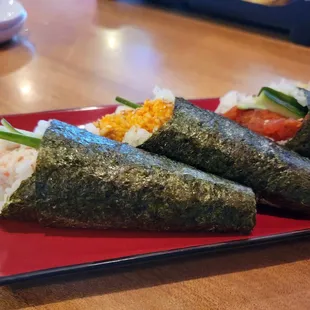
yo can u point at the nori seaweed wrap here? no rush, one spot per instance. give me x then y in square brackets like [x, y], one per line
[217, 145]
[21, 205]
[300, 143]
[87, 181]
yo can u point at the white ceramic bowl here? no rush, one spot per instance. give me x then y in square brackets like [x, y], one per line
[11, 14]
[8, 34]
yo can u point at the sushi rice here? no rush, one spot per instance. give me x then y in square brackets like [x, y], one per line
[136, 135]
[18, 162]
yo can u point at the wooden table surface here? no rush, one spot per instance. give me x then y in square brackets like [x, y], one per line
[77, 53]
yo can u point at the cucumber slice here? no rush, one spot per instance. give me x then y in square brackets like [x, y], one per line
[256, 105]
[280, 103]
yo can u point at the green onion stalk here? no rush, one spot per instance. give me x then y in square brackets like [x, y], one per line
[9, 133]
[127, 103]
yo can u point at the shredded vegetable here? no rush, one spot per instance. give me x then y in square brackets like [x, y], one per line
[127, 103]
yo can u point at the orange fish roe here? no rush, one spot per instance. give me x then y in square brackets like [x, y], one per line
[266, 123]
[151, 116]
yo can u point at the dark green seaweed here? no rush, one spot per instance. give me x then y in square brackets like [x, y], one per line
[87, 181]
[301, 142]
[21, 205]
[217, 145]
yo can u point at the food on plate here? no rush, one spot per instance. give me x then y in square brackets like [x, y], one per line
[17, 164]
[215, 144]
[133, 123]
[87, 181]
[279, 112]
[18, 201]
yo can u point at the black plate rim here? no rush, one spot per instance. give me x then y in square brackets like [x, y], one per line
[150, 257]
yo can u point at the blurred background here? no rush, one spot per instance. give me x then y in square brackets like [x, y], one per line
[286, 16]
[78, 53]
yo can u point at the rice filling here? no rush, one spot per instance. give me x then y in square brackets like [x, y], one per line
[17, 163]
[135, 126]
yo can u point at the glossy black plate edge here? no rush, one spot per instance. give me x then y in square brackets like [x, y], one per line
[151, 257]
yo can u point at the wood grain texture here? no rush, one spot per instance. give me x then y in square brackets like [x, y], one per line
[275, 277]
[78, 53]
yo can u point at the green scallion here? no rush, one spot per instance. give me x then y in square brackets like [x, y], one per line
[20, 139]
[127, 103]
[9, 127]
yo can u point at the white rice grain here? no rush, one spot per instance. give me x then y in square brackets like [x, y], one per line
[17, 163]
[135, 136]
[41, 127]
[92, 128]
[163, 94]
[232, 99]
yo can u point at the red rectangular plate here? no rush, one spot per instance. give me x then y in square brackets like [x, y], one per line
[28, 251]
